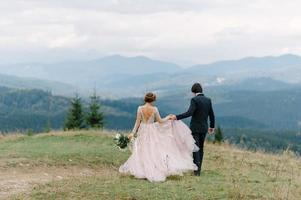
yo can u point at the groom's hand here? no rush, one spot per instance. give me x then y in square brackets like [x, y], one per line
[172, 117]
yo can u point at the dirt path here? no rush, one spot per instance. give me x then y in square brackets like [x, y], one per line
[17, 180]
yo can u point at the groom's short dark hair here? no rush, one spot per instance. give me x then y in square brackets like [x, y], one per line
[197, 88]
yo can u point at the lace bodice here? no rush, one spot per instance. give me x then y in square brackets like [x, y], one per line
[147, 116]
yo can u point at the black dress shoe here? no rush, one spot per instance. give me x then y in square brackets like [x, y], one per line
[197, 173]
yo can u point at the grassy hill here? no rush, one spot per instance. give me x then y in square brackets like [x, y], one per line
[84, 165]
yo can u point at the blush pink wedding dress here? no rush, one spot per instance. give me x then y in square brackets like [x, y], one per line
[162, 148]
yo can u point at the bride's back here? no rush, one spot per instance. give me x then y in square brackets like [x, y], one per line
[148, 113]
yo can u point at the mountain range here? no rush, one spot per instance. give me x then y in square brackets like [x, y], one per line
[251, 92]
[55, 87]
[130, 76]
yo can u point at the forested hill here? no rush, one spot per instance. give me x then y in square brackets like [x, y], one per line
[22, 110]
[35, 110]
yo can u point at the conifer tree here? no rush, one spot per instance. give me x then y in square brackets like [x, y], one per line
[75, 117]
[95, 117]
[218, 137]
[47, 128]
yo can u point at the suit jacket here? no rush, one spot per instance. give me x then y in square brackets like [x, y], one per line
[200, 110]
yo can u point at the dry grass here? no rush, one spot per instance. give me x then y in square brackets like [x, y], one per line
[259, 175]
[229, 172]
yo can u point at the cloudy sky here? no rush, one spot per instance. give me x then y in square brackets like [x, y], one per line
[182, 31]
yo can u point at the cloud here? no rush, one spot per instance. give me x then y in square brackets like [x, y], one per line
[190, 31]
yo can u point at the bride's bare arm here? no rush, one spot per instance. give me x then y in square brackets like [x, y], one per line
[138, 121]
[159, 119]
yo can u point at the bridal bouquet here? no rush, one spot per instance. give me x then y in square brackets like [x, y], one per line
[122, 141]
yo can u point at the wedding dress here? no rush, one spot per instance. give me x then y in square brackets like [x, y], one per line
[162, 148]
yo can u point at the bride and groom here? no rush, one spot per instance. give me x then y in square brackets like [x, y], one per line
[164, 147]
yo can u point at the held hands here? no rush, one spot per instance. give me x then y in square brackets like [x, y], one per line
[169, 117]
[172, 117]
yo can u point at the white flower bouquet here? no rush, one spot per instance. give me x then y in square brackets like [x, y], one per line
[122, 141]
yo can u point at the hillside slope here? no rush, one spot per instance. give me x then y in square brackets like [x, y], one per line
[55, 87]
[22, 110]
[84, 165]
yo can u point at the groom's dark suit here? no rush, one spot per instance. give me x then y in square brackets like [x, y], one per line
[200, 110]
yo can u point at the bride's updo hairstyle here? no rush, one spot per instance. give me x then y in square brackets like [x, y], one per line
[149, 97]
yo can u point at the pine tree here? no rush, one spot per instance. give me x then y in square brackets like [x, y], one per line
[47, 128]
[75, 117]
[219, 136]
[95, 116]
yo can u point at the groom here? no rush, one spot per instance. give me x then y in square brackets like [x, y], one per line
[200, 110]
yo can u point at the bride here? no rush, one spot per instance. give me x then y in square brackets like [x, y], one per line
[162, 148]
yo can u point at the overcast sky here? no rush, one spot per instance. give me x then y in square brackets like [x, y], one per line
[181, 31]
